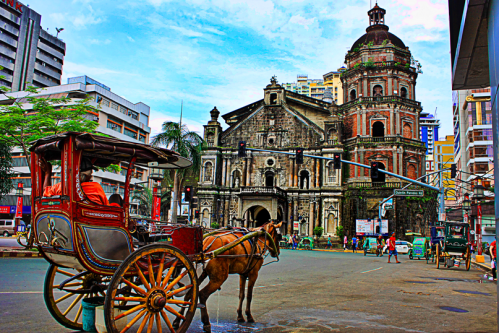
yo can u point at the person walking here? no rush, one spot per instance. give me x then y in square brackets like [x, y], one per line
[392, 249]
[295, 242]
[381, 244]
[354, 243]
[493, 259]
[345, 242]
[329, 243]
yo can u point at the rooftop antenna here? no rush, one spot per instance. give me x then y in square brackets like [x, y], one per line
[58, 30]
[436, 112]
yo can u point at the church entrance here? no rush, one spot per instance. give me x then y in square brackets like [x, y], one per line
[257, 216]
[262, 217]
[381, 175]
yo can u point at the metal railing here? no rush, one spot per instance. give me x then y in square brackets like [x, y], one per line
[377, 185]
[394, 139]
[381, 99]
[262, 190]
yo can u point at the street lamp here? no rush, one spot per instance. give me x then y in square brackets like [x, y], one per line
[478, 193]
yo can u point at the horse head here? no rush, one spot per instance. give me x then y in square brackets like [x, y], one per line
[272, 229]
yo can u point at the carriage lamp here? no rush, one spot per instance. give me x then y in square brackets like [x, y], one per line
[478, 192]
[19, 189]
[467, 204]
[156, 174]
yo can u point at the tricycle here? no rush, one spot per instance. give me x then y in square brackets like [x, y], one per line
[371, 246]
[454, 249]
[143, 277]
[306, 243]
[419, 248]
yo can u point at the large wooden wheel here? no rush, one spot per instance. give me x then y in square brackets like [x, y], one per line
[437, 255]
[468, 258]
[63, 305]
[148, 289]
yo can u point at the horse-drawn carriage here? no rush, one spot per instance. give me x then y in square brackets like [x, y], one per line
[148, 281]
[455, 248]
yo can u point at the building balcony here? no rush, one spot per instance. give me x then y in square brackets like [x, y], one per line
[262, 190]
[7, 64]
[380, 99]
[8, 40]
[383, 139]
[394, 185]
[50, 50]
[8, 15]
[44, 81]
[47, 71]
[49, 60]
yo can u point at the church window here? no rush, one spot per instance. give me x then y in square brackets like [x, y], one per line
[407, 131]
[210, 139]
[403, 92]
[304, 180]
[411, 171]
[271, 141]
[273, 99]
[381, 175]
[269, 179]
[236, 179]
[270, 162]
[377, 91]
[208, 170]
[331, 173]
[333, 136]
[353, 94]
[378, 129]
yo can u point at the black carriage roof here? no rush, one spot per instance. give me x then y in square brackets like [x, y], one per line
[105, 151]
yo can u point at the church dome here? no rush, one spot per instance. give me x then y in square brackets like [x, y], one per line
[377, 32]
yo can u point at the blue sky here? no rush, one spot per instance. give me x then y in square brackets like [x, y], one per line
[223, 52]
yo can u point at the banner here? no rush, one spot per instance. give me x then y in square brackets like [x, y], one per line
[296, 225]
[156, 208]
[19, 208]
[365, 227]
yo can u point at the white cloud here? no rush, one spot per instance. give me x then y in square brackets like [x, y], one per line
[99, 42]
[130, 39]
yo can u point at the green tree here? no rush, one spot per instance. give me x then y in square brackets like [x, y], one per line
[318, 231]
[6, 173]
[177, 137]
[340, 232]
[33, 117]
[144, 197]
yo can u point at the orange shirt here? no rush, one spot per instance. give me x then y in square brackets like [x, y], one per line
[93, 191]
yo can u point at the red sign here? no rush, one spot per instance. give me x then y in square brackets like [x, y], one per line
[19, 208]
[4, 209]
[14, 4]
[156, 205]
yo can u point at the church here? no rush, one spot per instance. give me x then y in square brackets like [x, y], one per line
[378, 122]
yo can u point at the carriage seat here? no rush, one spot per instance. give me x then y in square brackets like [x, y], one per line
[92, 190]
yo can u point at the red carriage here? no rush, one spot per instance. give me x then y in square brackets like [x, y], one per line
[91, 247]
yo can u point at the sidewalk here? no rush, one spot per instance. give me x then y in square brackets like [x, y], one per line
[485, 265]
[18, 252]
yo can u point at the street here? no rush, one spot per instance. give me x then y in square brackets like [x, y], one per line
[306, 291]
[9, 242]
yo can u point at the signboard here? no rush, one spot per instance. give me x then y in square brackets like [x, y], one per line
[442, 216]
[408, 193]
[19, 208]
[156, 205]
[296, 225]
[465, 219]
[4, 209]
[367, 227]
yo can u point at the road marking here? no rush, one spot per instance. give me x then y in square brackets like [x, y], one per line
[371, 270]
[21, 292]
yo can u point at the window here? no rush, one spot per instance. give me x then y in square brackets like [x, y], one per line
[378, 129]
[114, 106]
[114, 126]
[331, 173]
[130, 133]
[273, 98]
[123, 110]
[353, 94]
[133, 115]
[377, 91]
[408, 131]
[403, 92]
[208, 170]
[98, 99]
[142, 138]
[105, 102]
[210, 139]
[269, 179]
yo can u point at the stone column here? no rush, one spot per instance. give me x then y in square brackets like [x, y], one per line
[355, 160]
[364, 122]
[358, 123]
[311, 220]
[296, 174]
[394, 156]
[362, 160]
[366, 91]
[224, 162]
[290, 171]
[318, 174]
[227, 210]
[391, 122]
[248, 172]
[229, 180]
[243, 176]
[397, 122]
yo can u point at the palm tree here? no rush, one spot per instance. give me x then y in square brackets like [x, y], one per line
[144, 196]
[177, 137]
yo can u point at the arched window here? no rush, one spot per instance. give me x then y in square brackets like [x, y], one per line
[269, 179]
[332, 136]
[236, 179]
[407, 131]
[381, 175]
[304, 180]
[378, 129]
[331, 173]
[377, 91]
[208, 170]
[403, 92]
[353, 94]
[411, 171]
[273, 98]
[206, 218]
[210, 139]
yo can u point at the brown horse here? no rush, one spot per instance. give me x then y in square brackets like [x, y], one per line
[236, 261]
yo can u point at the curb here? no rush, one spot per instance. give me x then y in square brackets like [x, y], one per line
[482, 265]
[20, 254]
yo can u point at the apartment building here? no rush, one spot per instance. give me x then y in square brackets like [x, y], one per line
[29, 55]
[329, 87]
[444, 158]
[429, 126]
[116, 117]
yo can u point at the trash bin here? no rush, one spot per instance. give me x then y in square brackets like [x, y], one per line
[88, 312]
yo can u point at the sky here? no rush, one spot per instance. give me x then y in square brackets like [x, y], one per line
[223, 53]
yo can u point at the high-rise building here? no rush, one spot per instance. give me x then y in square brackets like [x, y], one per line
[29, 55]
[329, 87]
[116, 116]
[429, 130]
[444, 158]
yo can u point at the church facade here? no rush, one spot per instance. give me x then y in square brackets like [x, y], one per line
[379, 121]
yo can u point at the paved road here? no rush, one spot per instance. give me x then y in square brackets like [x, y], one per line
[305, 292]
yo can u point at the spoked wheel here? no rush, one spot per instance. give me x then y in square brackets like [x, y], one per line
[468, 258]
[148, 289]
[437, 256]
[64, 305]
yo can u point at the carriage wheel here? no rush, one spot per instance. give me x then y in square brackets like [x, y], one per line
[65, 306]
[437, 255]
[147, 289]
[468, 258]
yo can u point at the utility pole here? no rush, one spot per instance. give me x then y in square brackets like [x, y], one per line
[441, 211]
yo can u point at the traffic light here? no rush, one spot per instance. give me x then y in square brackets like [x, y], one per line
[337, 161]
[188, 193]
[196, 213]
[299, 156]
[374, 170]
[242, 149]
[453, 171]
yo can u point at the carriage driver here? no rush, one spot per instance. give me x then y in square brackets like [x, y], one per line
[93, 191]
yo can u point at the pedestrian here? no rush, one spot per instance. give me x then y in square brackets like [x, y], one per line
[290, 242]
[354, 243]
[345, 242]
[329, 243]
[295, 241]
[392, 249]
[380, 242]
[493, 259]
[472, 248]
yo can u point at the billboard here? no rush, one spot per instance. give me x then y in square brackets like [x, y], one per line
[365, 227]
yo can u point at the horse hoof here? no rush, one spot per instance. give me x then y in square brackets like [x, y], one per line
[241, 319]
[251, 320]
[207, 328]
